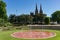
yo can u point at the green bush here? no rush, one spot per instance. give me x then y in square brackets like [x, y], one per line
[47, 20]
[7, 26]
[1, 22]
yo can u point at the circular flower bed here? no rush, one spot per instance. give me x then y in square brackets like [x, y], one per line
[33, 34]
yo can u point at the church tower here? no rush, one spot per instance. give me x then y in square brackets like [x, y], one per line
[36, 10]
[41, 11]
[41, 14]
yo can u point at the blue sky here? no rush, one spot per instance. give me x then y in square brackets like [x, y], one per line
[27, 6]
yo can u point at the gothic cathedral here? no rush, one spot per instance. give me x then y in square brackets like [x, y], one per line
[38, 16]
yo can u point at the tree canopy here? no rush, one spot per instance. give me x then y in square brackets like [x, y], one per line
[3, 14]
[56, 16]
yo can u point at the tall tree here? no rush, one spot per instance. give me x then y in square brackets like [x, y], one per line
[56, 16]
[3, 14]
[47, 20]
[12, 18]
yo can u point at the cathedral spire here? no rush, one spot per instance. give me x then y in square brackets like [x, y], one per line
[41, 11]
[36, 10]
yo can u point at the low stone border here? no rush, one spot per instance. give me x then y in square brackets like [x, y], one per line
[54, 27]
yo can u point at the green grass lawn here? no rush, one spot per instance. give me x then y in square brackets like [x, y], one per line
[6, 35]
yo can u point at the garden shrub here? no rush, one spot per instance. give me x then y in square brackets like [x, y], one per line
[47, 20]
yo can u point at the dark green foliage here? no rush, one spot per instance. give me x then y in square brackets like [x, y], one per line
[26, 19]
[11, 18]
[2, 22]
[3, 10]
[38, 19]
[56, 16]
[22, 19]
[47, 20]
